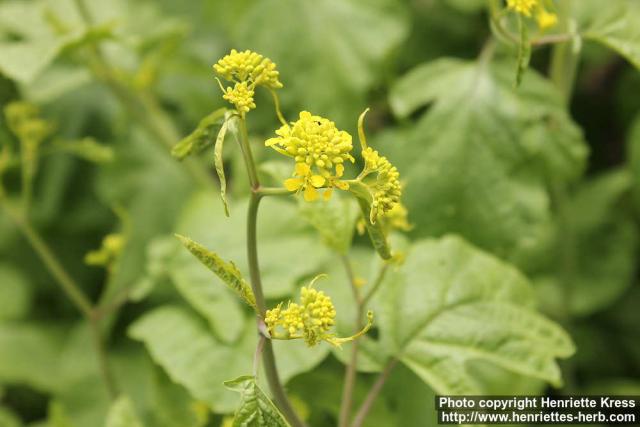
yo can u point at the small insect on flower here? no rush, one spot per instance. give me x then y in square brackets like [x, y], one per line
[246, 70]
[311, 319]
[319, 149]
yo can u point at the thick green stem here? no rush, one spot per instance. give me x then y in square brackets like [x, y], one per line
[268, 357]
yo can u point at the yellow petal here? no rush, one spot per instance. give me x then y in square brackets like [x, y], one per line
[339, 169]
[317, 181]
[310, 194]
[293, 184]
[327, 193]
[302, 169]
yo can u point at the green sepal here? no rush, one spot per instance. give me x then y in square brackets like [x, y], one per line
[256, 409]
[227, 271]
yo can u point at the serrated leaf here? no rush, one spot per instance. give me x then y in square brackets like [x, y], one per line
[183, 346]
[450, 303]
[226, 271]
[201, 137]
[217, 156]
[122, 414]
[256, 409]
[493, 147]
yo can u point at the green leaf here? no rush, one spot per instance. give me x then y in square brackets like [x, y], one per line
[86, 148]
[220, 166]
[226, 271]
[15, 293]
[180, 342]
[30, 43]
[202, 136]
[335, 50]
[288, 248]
[122, 414]
[601, 227]
[256, 409]
[334, 220]
[616, 26]
[26, 354]
[451, 303]
[491, 146]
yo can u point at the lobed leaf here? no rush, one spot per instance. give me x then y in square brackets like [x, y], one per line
[256, 409]
[451, 304]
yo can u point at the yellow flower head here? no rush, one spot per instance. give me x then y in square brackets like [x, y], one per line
[546, 19]
[397, 218]
[249, 67]
[523, 7]
[111, 247]
[386, 189]
[310, 320]
[241, 96]
[319, 149]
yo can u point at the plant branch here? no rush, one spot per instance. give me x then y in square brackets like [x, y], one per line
[373, 394]
[268, 357]
[70, 288]
[564, 57]
[142, 107]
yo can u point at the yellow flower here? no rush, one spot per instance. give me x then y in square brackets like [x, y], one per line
[546, 19]
[319, 149]
[249, 67]
[397, 218]
[523, 7]
[241, 96]
[386, 189]
[111, 247]
[310, 320]
[305, 182]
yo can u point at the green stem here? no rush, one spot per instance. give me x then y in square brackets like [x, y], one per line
[564, 57]
[268, 357]
[70, 288]
[143, 108]
[373, 394]
[351, 371]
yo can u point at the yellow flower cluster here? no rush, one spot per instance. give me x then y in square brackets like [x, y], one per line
[544, 18]
[111, 247]
[319, 149]
[310, 320]
[386, 190]
[246, 70]
[241, 96]
[523, 7]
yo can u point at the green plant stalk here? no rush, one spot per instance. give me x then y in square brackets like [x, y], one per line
[268, 357]
[143, 108]
[70, 288]
[351, 369]
[564, 58]
[373, 394]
